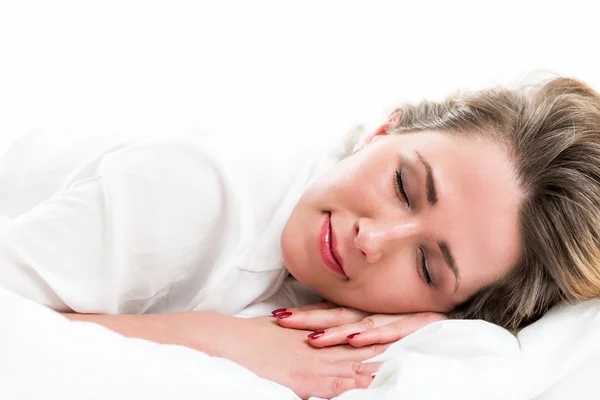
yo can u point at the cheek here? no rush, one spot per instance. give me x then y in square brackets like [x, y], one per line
[390, 296]
[394, 292]
[286, 242]
[378, 293]
[291, 243]
[350, 169]
[356, 185]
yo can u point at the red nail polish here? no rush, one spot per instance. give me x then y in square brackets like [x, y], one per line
[353, 335]
[278, 311]
[316, 334]
[283, 315]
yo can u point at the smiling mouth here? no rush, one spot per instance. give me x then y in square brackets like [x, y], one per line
[337, 260]
[327, 249]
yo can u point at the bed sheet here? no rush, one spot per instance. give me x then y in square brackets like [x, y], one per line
[45, 356]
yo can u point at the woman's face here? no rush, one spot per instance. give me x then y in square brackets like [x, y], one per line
[460, 216]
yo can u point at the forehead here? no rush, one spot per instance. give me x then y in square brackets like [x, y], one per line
[478, 203]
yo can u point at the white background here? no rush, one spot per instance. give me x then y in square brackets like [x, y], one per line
[256, 69]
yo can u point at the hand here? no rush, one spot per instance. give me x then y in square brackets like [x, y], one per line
[284, 356]
[333, 325]
[259, 344]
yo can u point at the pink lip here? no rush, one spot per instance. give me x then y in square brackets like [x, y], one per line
[327, 248]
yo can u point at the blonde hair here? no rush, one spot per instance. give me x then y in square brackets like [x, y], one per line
[552, 133]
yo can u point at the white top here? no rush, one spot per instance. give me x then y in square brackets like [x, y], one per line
[115, 226]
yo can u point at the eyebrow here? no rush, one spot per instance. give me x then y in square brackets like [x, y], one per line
[449, 261]
[429, 182]
[432, 199]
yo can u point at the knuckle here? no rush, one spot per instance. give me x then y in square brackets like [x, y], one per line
[398, 325]
[340, 312]
[377, 348]
[358, 368]
[368, 323]
[338, 385]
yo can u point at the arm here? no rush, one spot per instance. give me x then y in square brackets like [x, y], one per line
[259, 344]
[168, 328]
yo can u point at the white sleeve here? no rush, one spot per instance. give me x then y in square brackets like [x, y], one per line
[135, 230]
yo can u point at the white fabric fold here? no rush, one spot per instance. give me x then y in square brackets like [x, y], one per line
[45, 356]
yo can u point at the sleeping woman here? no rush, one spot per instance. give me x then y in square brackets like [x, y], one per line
[482, 206]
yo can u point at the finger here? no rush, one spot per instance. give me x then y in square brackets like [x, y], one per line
[365, 369]
[332, 386]
[317, 320]
[334, 336]
[341, 334]
[349, 369]
[349, 353]
[336, 378]
[364, 381]
[383, 334]
[322, 305]
[369, 368]
[392, 332]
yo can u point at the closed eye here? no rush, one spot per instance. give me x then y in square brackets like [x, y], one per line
[421, 258]
[400, 187]
[423, 263]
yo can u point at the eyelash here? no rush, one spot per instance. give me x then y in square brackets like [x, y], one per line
[428, 280]
[400, 187]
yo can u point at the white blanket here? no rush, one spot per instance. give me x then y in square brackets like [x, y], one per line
[45, 356]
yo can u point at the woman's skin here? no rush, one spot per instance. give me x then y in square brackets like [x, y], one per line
[378, 236]
[381, 236]
[259, 344]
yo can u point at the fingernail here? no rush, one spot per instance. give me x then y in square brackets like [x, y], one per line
[353, 335]
[278, 311]
[283, 315]
[316, 334]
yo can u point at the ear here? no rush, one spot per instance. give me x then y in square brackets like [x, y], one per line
[382, 130]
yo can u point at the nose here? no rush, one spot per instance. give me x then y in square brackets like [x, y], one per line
[375, 239]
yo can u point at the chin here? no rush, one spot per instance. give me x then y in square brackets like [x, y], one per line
[296, 264]
[295, 269]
